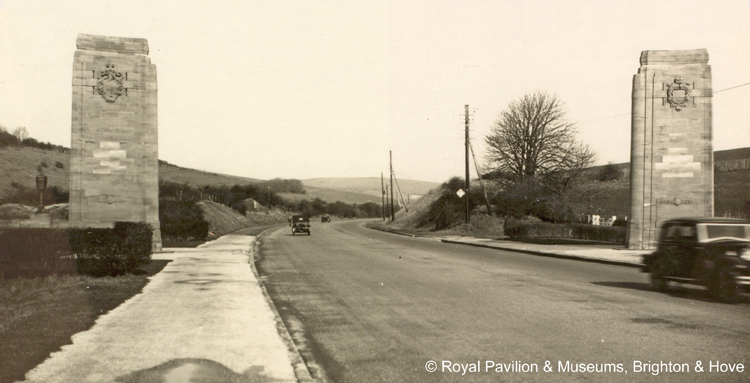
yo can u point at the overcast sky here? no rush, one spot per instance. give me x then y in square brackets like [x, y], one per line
[308, 89]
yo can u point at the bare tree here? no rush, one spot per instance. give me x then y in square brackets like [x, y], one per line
[21, 133]
[533, 139]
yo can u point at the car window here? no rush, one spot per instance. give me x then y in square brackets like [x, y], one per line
[686, 232]
[723, 231]
[670, 232]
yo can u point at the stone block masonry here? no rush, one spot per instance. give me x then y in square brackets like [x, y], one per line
[114, 169]
[671, 159]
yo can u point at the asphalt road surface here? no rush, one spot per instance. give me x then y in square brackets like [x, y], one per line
[367, 306]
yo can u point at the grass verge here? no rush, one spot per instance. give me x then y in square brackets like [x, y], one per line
[39, 316]
[481, 226]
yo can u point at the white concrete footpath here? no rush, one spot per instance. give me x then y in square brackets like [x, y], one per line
[204, 318]
[614, 255]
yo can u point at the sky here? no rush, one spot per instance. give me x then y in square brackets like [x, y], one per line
[311, 89]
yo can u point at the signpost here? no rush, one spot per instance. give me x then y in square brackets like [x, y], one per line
[41, 184]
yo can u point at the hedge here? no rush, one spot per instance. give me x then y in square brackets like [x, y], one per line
[184, 231]
[181, 220]
[524, 229]
[31, 252]
[116, 251]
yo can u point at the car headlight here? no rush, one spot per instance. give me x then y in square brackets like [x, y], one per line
[745, 254]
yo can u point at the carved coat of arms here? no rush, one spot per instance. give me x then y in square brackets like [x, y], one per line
[109, 85]
[678, 94]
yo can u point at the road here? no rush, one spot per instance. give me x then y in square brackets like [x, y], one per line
[367, 306]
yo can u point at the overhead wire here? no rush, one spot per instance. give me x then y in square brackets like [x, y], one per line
[626, 114]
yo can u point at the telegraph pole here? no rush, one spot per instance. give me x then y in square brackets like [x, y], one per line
[468, 213]
[481, 183]
[386, 208]
[382, 195]
[393, 215]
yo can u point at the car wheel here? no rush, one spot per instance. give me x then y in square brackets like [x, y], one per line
[725, 288]
[658, 282]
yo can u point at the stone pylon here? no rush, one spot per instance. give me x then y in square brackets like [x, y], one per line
[671, 158]
[114, 169]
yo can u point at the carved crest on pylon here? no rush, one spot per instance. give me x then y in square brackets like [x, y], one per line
[678, 94]
[110, 83]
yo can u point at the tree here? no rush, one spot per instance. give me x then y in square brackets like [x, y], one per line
[533, 139]
[609, 172]
[21, 133]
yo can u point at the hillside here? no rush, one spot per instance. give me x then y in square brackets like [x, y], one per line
[719, 157]
[18, 165]
[223, 219]
[199, 178]
[731, 154]
[331, 195]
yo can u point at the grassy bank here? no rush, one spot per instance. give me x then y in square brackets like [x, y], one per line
[480, 226]
[39, 316]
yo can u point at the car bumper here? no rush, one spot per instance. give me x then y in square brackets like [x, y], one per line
[743, 281]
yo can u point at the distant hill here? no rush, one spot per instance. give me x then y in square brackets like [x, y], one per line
[18, 165]
[370, 185]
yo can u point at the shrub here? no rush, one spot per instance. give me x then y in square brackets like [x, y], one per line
[450, 209]
[609, 172]
[518, 229]
[192, 231]
[111, 252]
[181, 220]
[515, 206]
[21, 194]
[279, 185]
[600, 233]
[620, 222]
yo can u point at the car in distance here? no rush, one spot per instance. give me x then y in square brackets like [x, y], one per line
[300, 224]
[711, 252]
[325, 218]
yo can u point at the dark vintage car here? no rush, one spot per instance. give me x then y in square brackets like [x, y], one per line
[325, 218]
[711, 252]
[300, 224]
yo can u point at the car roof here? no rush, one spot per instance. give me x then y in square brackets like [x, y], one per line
[706, 220]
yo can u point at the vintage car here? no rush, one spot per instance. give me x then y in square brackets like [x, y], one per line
[325, 218]
[711, 252]
[300, 224]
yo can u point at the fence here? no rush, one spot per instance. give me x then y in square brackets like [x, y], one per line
[732, 165]
[198, 196]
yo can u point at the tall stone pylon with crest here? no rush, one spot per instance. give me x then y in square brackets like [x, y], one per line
[114, 166]
[671, 152]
